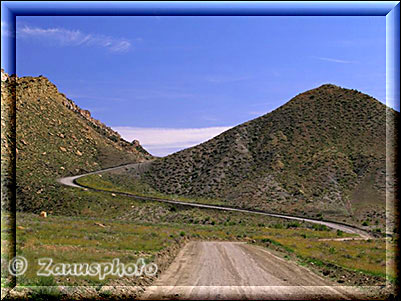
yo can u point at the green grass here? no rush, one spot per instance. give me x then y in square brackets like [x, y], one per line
[79, 239]
[368, 256]
[112, 181]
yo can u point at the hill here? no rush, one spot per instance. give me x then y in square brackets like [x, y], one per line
[56, 138]
[322, 154]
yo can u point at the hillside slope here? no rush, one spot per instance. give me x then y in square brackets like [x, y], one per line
[56, 138]
[321, 154]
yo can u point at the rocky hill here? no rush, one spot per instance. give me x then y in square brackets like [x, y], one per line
[322, 154]
[55, 138]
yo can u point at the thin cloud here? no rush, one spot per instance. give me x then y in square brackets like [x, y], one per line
[163, 141]
[66, 37]
[327, 59]
[226, 79]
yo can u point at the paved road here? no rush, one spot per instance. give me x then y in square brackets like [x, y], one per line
[69, 181]
[234, 270]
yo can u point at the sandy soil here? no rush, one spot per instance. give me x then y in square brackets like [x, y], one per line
[234, 270]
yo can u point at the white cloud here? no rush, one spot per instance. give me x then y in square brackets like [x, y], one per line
[68, 37]
[164, 141]
[333, 60]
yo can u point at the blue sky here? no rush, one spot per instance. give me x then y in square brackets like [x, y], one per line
[172, 82]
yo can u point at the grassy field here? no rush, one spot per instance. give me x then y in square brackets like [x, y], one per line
[88, 240]
[103, 227]
[118, 181]
[368, 257]
[78, 240]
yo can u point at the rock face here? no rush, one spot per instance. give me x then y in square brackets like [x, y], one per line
[42, 86]
[54, 138]
[7, 141]
[322, 153]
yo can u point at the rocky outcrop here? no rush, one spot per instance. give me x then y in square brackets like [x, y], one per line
[54, 138]
[43, 87]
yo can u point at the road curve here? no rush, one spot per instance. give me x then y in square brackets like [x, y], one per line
[70, 181]
[233, 270]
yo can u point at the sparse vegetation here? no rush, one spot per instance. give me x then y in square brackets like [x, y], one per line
[321, 155]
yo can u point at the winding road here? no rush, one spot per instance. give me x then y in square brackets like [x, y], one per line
[210, 270]
[70, 181]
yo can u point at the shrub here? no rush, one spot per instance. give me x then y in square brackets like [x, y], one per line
[293, 225]
[318, 227]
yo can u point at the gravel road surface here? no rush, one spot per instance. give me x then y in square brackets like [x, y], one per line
[235, 270]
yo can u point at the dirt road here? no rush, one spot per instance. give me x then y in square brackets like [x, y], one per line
[70, 181]
[235, 270]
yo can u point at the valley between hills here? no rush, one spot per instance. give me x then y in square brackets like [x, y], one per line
[321, 156]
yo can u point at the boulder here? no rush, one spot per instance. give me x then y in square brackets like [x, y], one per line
[135, 143]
